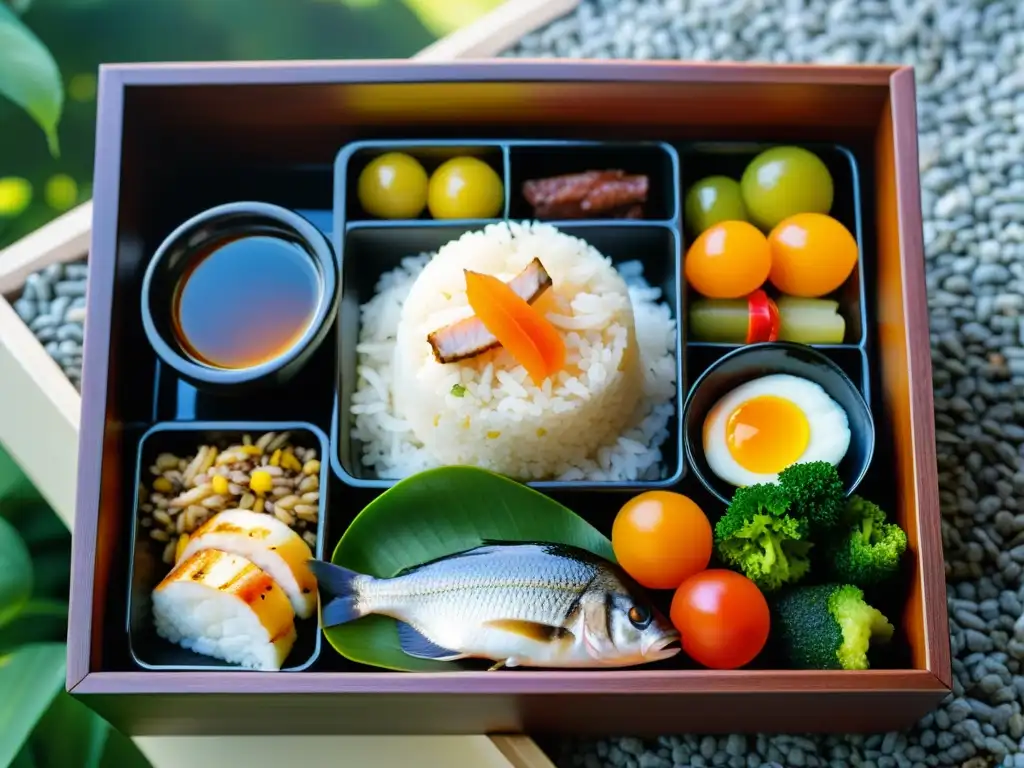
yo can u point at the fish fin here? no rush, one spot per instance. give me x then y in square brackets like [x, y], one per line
[497, 666]
[415, 644]
[532, 630]
[339, 583]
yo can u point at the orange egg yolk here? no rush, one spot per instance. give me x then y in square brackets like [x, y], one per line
[766, 434]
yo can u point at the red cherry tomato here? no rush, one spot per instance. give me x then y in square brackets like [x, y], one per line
[722, 617]
[764, 318]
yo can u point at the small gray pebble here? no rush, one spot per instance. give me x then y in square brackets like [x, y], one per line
[70, 288]
[27, 309]
[653, 760]
[708, 747]
[736, 744]
[70, 332]
[76, 271]
[42, 321]
[38, 288]
[59, 306]
[698, 761]
[796, 757]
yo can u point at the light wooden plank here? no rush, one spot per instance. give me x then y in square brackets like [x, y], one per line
[39, 426]
[498, 30]
[39, 411]
[325, 752]
[63, 239]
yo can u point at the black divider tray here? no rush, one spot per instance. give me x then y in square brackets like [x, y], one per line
[370, 247]
[320, 396]
[147, 569]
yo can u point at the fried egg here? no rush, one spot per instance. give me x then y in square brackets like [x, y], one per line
[765, 425]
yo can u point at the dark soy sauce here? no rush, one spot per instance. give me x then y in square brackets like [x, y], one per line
[245, 301]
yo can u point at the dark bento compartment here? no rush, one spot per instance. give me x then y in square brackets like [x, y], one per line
[529, 160]
[702, 159]
[355, 156]
[146, 567]
[369, 250]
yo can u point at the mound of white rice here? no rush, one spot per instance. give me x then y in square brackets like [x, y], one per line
[603, 417]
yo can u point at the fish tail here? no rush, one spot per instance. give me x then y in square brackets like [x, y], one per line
[342, 586]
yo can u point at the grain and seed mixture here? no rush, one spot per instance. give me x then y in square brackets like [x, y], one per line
[268, 475]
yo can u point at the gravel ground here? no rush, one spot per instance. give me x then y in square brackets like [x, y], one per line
[53, 306]
[969, 56]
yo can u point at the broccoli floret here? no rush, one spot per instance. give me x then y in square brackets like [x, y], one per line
[757, 535]
[869, 549]
[816, 493]
[828, 626]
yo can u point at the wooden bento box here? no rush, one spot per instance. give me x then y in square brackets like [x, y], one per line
[176, 140]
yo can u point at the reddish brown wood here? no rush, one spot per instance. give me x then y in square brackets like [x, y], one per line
[458, 704]
[157, 119]
[907, 372]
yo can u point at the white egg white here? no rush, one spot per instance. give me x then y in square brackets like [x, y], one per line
[829, 437]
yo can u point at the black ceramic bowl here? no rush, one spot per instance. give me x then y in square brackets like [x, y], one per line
[754, 361]
[206, 230]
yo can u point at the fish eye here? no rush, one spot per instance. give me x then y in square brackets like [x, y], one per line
[640, 616]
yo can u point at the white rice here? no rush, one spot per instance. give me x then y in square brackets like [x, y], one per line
[602, 418]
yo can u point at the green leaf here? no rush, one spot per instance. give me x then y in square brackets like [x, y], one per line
[30, 678]
[15, 573]
[82, 735]
[29, 76]
[121, 752]
[25, 758]
[41, 620]
[436, 513]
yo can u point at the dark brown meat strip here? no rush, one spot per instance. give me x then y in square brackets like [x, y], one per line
[469, 337]
[591, 193]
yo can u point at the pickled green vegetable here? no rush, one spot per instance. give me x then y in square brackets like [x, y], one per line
[810, 321]
[711, 200]
[719, 320]
[783, 181]
[804, 321]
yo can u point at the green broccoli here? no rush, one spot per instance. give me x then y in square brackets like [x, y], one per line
[757, 535]
[868, 548]
[827, 626]
[816, 493]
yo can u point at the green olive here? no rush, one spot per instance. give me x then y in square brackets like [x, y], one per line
[465, 188]
[711, 200]
[393, 186]
[783, 181]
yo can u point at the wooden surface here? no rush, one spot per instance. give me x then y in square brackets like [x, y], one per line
[40, 412]
[542, 701]
[902, 317]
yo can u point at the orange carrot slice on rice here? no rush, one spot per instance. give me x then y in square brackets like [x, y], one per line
[520, 328]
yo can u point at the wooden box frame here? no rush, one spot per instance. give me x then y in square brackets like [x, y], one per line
[318, 106]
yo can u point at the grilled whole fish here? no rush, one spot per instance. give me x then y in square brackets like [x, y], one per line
[518, 604]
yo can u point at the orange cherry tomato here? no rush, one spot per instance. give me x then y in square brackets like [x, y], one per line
[812, 254]
[728, 260]
[661, 538]
[722, 618]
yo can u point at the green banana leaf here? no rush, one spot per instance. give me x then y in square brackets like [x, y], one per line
[15, 572]
[436, 513]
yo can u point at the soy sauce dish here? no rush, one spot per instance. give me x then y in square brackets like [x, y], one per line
[242, 293]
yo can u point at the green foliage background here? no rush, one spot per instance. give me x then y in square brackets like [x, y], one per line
[50, 51]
